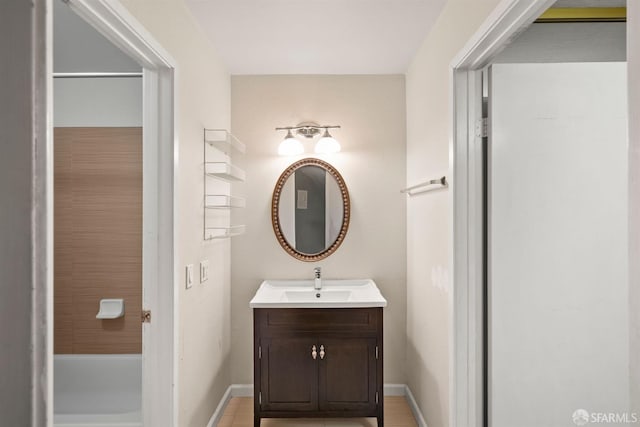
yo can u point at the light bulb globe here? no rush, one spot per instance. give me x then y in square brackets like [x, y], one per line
[290, 146]
[327, 144]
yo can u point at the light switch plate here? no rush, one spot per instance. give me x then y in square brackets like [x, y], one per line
[204, 270]
[188, 280]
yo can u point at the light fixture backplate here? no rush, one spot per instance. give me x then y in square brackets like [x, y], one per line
[308, 130]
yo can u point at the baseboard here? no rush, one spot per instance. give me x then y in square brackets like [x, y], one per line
[395, 389]
[234, 390]
[417, 414]
[241, 390]
[246, 390]
[217, 415]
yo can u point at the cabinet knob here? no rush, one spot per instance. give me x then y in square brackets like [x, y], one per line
[322, 353]
[314, 353]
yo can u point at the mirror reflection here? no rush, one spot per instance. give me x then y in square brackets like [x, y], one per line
[310, 209]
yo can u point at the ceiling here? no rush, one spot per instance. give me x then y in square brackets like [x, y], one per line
[316, 36]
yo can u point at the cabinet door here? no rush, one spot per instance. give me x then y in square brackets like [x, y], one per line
[347, 374]
[289, 374]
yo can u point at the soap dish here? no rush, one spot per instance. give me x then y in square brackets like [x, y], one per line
[111, 309]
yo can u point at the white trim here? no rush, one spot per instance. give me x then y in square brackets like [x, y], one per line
[395, 389]
[114, 21]
[504, 24]
[42, 216]
[466, 300]
[48, 111]
[160, 295]
[633, 82]
[160, 336]
[217, 415]
[414, 408]
[241, 390]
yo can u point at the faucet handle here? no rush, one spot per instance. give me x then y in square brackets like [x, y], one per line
[317, 271]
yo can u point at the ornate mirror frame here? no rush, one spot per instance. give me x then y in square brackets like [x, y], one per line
[275, 204]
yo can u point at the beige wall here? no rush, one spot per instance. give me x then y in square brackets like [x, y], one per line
[202, 90]
[371, 111]
[428, 216]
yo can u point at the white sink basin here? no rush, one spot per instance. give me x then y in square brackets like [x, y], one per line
[313, 295]
[334, 294]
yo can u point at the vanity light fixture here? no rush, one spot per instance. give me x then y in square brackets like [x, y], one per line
[327, 144]
[291, 146]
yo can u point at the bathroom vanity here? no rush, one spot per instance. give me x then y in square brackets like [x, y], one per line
[317, 343]
[318, 353]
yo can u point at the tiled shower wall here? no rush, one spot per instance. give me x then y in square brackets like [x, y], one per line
[97, 238]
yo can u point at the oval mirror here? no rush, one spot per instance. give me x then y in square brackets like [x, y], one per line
[310, 209]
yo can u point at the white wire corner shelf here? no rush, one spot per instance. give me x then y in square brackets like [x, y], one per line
[212, 233]
[224, 170]
[219, 148]
[222, 201]
[224, 141]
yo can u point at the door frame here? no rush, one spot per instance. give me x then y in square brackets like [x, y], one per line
[160, 168]
[505, 23]
[633, 95]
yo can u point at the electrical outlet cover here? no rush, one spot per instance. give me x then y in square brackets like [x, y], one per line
[189, 276]
[204, 271]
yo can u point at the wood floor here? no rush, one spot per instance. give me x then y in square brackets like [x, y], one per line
[239, 413]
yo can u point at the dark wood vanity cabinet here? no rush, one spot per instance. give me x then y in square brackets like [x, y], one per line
[318, 362]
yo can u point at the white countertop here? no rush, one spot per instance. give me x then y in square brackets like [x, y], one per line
[349, 293]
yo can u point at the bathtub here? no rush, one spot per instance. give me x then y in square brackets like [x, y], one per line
[97, 390]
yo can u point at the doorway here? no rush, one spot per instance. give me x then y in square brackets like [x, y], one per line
[155, 71]
[472, 402]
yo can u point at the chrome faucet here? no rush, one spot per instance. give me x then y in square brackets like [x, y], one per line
[317, 284]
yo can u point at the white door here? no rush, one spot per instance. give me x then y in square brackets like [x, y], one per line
[557, 245]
